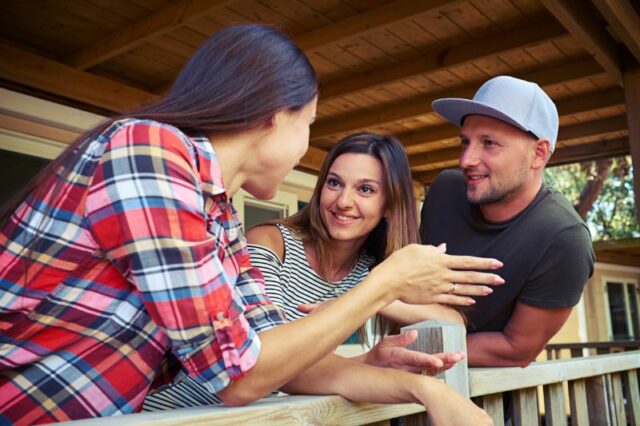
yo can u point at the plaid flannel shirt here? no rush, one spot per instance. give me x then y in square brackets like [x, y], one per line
[138, 257]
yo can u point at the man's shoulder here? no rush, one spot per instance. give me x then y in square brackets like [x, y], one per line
[554, 221]
[556, 209]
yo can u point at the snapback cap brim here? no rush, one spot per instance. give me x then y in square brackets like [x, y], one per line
[455, 109]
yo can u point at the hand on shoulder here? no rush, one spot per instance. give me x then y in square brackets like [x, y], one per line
[268, 236]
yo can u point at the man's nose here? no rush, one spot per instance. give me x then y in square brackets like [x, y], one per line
[469, 156]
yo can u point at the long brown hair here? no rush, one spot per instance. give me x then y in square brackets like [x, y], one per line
[236, 81]
[399, 229]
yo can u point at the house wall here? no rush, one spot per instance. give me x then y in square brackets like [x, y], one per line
[595, 296]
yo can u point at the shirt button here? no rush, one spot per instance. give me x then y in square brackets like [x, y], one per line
[232, 233]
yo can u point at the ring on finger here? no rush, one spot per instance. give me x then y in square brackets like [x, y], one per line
[452, 290]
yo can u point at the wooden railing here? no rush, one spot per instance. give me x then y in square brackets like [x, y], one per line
[594, 390]
[576, 350]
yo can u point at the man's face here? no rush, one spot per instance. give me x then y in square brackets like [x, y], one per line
[496, 159]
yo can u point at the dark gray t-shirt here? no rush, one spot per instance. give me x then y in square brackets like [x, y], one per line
[546, 249]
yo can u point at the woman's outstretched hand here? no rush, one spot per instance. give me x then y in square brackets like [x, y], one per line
[391, 352]
[422, 274]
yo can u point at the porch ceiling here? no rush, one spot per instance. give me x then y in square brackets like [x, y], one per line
[380, 62]
[622, 252]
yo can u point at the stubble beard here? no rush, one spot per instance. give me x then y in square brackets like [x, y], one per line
[497, 193]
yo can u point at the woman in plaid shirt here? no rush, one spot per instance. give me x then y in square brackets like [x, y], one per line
[124, 260]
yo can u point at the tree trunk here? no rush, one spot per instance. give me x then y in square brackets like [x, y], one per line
[592, 189]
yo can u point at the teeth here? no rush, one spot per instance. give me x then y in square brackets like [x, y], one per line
[344, 217]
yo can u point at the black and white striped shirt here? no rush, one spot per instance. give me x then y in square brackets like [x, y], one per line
[292, 281]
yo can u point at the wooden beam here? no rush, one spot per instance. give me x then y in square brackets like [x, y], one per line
[624, 21]
[137, 33]
[417, 161]
[632, 94]
[368, 21]
[617, 258]
[421, 105]
[489, 46]
[621, 244]
[590, 151]
[33, 128]
[591, 128]
[418, 139]
[34, 71]
[571, 154]
[313, 159]
[581, 21]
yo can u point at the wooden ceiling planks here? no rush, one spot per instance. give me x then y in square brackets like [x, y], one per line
[380, 62]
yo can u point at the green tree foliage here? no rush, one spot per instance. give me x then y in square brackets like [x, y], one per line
[613, 214]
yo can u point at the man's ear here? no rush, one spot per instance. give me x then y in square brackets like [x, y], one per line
[542, 153]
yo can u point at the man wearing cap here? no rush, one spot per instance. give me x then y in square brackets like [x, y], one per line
[497, 206]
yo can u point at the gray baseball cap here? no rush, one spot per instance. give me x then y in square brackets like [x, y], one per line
[521, 103]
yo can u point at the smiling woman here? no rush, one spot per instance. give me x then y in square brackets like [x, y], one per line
[362, 210]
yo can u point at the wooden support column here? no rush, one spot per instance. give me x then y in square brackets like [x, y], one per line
[632, 95]
[441, 336]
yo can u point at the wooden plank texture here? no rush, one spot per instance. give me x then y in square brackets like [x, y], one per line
[484, 381]
[554, 413]
[619, 416]
[630, 379]
[597, 400]
[494, 406]
[31, 70]
[276, 411]
[525, 407]
[578, 403]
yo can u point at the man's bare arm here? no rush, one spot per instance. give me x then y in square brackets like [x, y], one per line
[523, 338]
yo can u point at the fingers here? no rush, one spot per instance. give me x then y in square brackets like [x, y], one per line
[400, 340]
[307, 308]
[472, 277]
[452, 299]
[458, 289]
[417, 361]
[471, 262]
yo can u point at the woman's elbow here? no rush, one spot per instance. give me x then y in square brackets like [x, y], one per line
[237, 394]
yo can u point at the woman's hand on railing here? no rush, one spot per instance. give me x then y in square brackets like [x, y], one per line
[422, 274]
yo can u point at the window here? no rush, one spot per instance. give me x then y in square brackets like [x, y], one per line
[253, 211]
[621, 299]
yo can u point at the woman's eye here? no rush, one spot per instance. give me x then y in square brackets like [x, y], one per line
[333, 182]
[366, 189]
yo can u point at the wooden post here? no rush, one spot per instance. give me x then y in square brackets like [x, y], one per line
[630, 379]
[442, 336]
[578, 403]
[597, 401]
[525, 407]
[494, 406]
[632, 99]
[618, 403]
[554, 414]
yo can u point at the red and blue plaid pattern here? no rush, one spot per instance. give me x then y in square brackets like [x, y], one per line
[138, 256]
